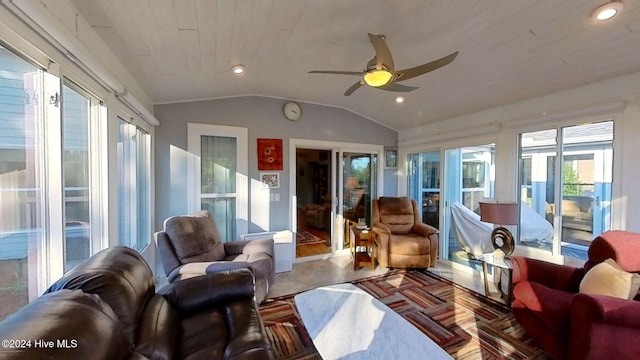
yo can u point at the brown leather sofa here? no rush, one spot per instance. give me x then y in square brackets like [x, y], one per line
[190, 245]
[404, 241]
[107, 308]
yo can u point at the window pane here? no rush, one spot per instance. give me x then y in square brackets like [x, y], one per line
[133, 188]
[424, 185]
[477, 165]
[218, 165]
[223, 212]
[537, 188]
[587, 158]
[582, 177]
[360, 186]
[75, 159]
[218, 182]
[469, 177]
[20, 189]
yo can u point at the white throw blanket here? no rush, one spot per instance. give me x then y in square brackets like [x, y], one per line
[474, 236]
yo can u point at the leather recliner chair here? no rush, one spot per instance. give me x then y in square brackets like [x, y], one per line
[190, 245]
[107, 308]
[568, 324]
[404, 241]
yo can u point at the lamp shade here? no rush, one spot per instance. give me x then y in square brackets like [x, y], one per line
[501, 214]
[352, 183]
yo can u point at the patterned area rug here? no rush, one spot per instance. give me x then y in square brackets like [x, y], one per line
[465, 324]
[303, 237]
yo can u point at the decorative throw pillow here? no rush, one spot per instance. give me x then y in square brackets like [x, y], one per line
[608, 278]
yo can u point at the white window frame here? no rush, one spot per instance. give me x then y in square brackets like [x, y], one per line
[136, 166]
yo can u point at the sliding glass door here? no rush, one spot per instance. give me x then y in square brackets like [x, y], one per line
[570, 199]
[424, 185]
[76, 166]
[22, 198]
[359, 186]
[53, 191]
[467, 177]
[134, 186]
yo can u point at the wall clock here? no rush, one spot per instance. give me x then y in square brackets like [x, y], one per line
[292, 110]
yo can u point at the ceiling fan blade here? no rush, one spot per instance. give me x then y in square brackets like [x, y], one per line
[425, 68]
[353, 88]
[383, 55]
[397, 87]
[359, 73]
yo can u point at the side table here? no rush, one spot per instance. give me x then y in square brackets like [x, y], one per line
[362, 246]
[499, 265]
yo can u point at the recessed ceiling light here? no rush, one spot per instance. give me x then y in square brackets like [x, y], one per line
[238, 69]
[607, 11]
[400, 99]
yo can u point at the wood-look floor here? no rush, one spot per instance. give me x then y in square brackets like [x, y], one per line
[312, 249]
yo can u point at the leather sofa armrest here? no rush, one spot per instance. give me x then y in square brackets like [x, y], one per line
[424, 229]
[381, 228]
[603, 327]
[192, 295]
[247, 247]
[194, 269]
[560, 277]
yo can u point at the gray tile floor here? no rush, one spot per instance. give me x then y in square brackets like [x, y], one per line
[339, 269]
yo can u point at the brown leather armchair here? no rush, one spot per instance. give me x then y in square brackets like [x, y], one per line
[403, 240]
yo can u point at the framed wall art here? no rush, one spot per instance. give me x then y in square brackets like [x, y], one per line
[270, 180]
[390, 158]
[270, 154]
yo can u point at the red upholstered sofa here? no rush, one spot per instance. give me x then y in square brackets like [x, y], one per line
[572, 325]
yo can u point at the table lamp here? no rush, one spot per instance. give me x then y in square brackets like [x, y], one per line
[352, 183]
[500, 214]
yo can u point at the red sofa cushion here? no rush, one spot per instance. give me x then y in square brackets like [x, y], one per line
[549, 305]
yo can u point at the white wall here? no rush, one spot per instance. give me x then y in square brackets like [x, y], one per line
[263, 117]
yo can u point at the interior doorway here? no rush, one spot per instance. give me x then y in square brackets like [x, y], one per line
[331, 180]
[314, 202]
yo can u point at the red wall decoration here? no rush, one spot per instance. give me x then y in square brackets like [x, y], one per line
[270, 154]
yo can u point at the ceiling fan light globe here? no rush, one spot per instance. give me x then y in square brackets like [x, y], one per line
[377, 78]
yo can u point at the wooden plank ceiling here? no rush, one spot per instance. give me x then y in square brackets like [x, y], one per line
[183, 50]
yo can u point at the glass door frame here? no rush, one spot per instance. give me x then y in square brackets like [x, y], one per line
[347, 193]
[451, 184]
[563, 147]
[337, 180]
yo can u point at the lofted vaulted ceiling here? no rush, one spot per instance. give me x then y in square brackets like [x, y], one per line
[510, 51]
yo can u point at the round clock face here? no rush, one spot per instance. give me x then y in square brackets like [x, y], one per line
[292, 111]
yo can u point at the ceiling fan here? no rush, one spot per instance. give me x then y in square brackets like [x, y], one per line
[380, 73]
